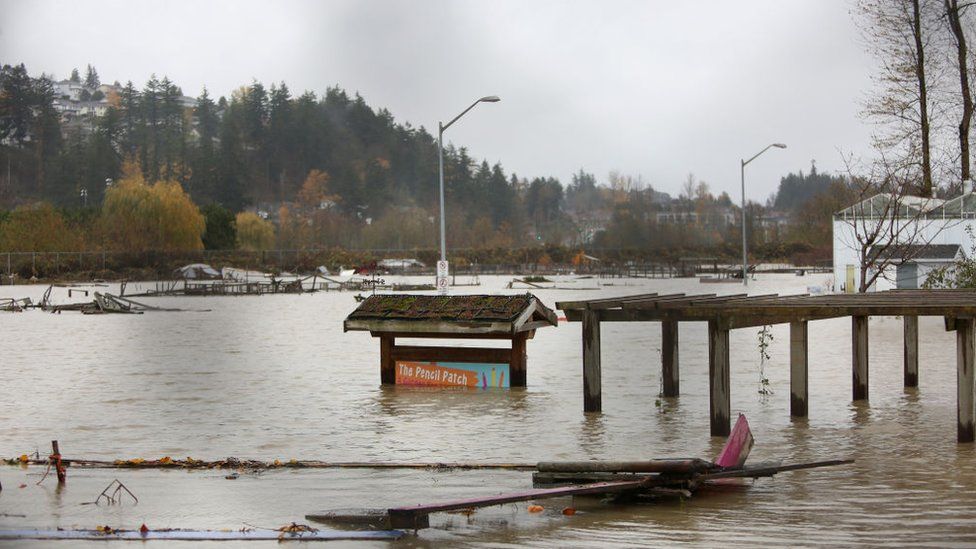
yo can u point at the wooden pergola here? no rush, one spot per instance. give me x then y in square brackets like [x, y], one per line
[397, 316]
[724, 313]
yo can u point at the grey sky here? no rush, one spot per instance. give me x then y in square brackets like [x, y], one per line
[658, 89]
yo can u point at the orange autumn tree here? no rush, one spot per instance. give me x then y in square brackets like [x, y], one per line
[37, 228]
[137, 216]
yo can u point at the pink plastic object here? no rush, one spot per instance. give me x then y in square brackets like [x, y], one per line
[738, 446]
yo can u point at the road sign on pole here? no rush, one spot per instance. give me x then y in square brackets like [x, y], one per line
[442, 272]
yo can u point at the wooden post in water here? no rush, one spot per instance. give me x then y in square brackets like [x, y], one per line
[859, 345]
[911, 351]
[799, 347]
[718, 379]
[56, 462]
[387, 364]
[592, 398]
[516, 367]
[965, 350]
[669, 357]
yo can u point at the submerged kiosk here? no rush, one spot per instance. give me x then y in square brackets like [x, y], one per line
[506, 317]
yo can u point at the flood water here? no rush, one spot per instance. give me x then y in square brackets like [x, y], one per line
[274, 377]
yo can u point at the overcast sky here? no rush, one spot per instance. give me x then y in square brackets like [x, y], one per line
[657, 89]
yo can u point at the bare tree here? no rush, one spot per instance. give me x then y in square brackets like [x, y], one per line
[899, 33]
[955, 16]
[887, 225]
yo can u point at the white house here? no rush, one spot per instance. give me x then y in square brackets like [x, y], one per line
[92, 108]
[69, 89]
[910, 235]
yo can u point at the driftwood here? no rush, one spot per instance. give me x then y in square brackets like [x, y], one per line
[620, 479]
[235, 463]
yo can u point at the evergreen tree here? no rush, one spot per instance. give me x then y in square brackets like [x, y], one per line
[91, 78]
[17, 102]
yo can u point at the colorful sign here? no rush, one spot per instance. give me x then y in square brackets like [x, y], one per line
[453, 374]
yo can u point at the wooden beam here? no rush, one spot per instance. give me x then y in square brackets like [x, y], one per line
[432, 335]
[669, 357]
[911, 350]
[387, 364]
[419, 353]
[517, 369]
[718, 379]
[859, 344]
[799, 346]
[965, 351]
[415, 516]
[592, 398]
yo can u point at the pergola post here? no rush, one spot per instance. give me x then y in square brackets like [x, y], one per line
[516, 366]
[798, 368]
[387, 364]
[859, 345]
[592, 399]
[718, 379]
[965, 413]
[669, 357]
[911, 350]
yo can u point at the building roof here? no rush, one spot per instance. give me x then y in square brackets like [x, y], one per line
[472, 314]
[882, 204]
[917, 252]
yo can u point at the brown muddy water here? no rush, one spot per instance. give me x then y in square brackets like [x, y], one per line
[274, 377]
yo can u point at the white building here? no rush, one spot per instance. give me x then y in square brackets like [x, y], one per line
[910, 235]
[69, 89]
[92, 108]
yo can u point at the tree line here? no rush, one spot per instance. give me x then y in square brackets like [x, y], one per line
[329, 171]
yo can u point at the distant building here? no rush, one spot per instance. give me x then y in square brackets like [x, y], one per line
[66, 108]
[66, 89]
[922, 259]
[400, 265]
[929, 233]
[720, 217]
[92, 108]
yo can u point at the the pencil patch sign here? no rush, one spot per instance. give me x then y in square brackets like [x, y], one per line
[456, 374]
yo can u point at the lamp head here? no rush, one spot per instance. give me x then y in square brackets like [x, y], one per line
[779, 145]
[490, 99]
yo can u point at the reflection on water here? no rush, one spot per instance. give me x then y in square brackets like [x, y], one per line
[274, 377]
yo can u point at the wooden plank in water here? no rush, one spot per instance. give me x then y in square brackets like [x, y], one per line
[691, 465]
[415, 516]
[550, 479]
[770, 470]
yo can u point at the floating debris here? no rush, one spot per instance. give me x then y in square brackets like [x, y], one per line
[113, 494]
[250, 464]
[243, 534]
[624, 480]
[12, 305]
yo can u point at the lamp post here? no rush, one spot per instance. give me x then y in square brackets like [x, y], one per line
[745, 260]
[442, 268]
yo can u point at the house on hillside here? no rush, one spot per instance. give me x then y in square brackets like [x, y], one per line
[903, 237]
[66, 89]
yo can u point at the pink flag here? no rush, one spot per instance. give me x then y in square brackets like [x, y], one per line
[738, 446]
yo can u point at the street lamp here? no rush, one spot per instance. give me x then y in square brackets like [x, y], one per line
[442, 269]
[745, 261]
